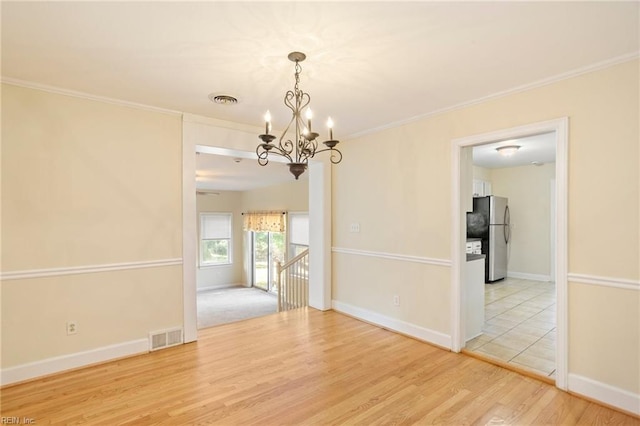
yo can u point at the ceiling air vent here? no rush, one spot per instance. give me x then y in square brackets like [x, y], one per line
[223, 99]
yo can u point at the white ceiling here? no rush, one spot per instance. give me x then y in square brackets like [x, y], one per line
[540, 149]
[225, 170]
[369, 64]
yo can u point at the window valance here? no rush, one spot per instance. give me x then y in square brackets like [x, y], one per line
[264, 221]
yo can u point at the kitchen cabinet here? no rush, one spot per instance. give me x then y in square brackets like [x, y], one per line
[481, 188]
[474, 296]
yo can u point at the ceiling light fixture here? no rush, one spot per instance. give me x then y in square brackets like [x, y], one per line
[304, 144]
[507, 150]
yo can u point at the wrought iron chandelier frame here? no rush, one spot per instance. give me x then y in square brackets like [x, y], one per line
[305, 144]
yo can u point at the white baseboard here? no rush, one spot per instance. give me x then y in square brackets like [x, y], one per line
[58, 364]
[420, 333]
[526, 276]
[610, 395]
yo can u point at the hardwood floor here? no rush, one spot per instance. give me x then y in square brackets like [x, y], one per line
[299, 367]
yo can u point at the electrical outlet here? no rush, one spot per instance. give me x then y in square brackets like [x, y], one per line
[396, 300]
[72, 327]
[355, 227]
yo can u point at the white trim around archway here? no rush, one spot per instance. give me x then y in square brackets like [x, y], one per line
[561, 128]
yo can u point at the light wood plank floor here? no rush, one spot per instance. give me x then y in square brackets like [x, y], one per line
[300, 367]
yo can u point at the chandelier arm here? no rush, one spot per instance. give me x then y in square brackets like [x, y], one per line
[263, 154]
[286, 148]
[310, 147]
[336, 155]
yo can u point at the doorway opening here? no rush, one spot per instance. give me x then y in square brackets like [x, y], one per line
[197, 130]
[463, 189]
[268, 249]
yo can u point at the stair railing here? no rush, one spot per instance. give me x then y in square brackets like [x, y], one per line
[293, 282]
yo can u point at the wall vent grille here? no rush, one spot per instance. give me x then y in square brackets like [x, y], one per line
[165, 339]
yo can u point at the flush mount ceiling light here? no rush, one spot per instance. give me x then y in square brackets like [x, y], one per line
[302, 144]
[222, 99]
[507, 150]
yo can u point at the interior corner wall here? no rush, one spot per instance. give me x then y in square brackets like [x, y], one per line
[91, 225]
[209, 277]
[396, 184]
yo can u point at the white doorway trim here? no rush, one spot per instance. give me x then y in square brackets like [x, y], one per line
[552, 228]
[319, 220]
[561, 128]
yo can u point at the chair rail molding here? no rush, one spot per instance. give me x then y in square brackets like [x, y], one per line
[87, 269]
[611, 282]
[393, 256]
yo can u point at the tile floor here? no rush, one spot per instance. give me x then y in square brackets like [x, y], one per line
[520, 325]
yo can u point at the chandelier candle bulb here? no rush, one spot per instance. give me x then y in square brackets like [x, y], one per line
[330, 126]
[309, 117]
[267, 122]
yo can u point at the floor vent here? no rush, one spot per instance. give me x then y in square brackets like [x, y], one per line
[165, 338]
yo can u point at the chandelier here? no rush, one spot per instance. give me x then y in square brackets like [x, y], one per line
[302, 144]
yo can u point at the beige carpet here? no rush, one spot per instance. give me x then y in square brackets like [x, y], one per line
[225, 305]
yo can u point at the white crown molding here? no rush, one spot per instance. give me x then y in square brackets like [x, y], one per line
[45, 367]
[84, 95]
[88, 269]
[604, 281]
[393, 256]
[421, 333]
[529, 86]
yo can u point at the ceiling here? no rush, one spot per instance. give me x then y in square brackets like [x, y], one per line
[370, 65]
[227, 170]
[537, 150]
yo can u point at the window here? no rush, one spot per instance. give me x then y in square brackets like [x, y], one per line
[215, 239]
[298, 233]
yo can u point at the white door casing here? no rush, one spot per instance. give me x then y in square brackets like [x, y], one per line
[458, 258]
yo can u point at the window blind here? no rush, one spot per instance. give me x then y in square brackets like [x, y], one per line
[299, 232]
[216, 226]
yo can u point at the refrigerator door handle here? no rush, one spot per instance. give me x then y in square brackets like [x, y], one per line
[507, 225]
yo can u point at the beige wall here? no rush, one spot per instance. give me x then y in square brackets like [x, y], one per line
[397, 184]
[87, 184]
[290, 196]
[528, 189]
[482, 173]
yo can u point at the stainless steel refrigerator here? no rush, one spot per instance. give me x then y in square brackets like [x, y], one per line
[490, 222]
